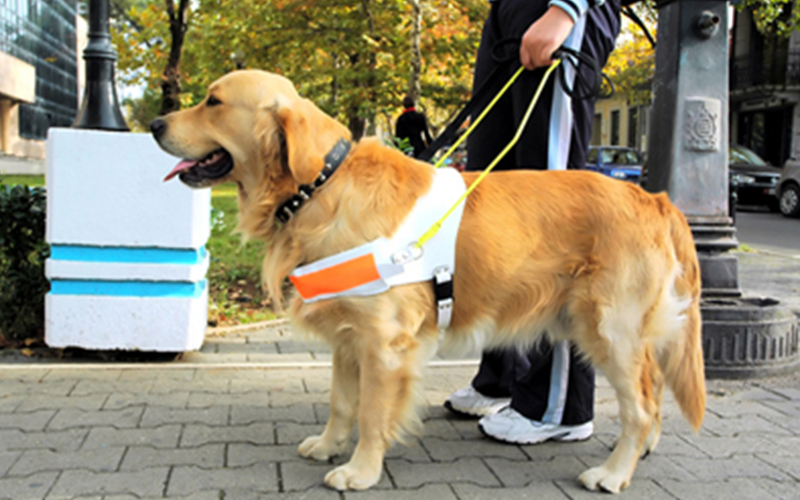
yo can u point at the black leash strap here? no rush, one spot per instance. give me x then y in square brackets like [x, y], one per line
[505, 52]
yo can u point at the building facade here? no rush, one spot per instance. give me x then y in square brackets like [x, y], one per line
[765, 91]
[39, 71]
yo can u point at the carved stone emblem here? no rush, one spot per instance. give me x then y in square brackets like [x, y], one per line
[703, 126]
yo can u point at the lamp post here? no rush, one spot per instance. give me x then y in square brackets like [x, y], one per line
[100, 107]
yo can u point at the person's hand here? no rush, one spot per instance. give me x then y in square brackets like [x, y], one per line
[543, 38]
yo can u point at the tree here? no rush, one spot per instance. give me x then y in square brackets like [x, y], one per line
[171, 83]
[778, 17]
[349, 56]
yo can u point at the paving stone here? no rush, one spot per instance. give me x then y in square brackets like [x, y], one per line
[117, 401]
[32, 487]
[8, 403]
[291, 433]
[244, 454]
[437, 491]
[410, 450]
[715, 490]
[790, 409]
[441, 429]
[516, 474]
[593, 447]
[733, 427]
[724, 447]
[30, 373]
[55, 440]
[102, 460]
[659, 466]
[467, 470]
[46, 402]
[260, 477]
[443, 450]
[76, 483]
[158, 437]
[781, 490]
[97, 372]
[739, 466]
[302, 475]
[142, 457]
[789, 465]
[185, 375]
[155, 417]
[312, 494]
[536, 490]
[61, 387]
[211, 386]
[281, 398]
[208, 400]
[7, 459]
[68, 419]
[202, 495]
[33, 421]
[85, 387]
[256, 433]
[299, 413]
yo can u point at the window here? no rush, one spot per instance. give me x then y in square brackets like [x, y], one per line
[615, 127]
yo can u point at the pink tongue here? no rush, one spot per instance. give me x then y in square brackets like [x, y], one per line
[180, 167]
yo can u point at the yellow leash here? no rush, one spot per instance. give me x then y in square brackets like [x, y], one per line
[438, 224]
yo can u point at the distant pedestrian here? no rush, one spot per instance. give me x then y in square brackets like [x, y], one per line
[413, 125]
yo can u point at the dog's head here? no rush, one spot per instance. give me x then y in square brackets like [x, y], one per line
[252, 129]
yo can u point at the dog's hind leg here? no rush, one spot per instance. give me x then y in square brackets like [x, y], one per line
[652, 376]
[343, 405]
[628, 370]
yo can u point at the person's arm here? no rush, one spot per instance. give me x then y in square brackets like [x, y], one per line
[550, 31]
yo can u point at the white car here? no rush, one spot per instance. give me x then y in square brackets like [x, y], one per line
[788, 189]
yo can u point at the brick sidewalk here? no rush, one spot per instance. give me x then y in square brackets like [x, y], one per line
[165, 431]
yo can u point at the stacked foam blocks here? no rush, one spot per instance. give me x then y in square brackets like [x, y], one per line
[128, 258]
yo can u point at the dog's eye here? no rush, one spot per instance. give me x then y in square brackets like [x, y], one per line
[212, 101]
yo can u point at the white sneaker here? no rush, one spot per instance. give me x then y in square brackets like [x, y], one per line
[510, 426]
[472, 403]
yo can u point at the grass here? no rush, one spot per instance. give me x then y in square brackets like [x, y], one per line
[235, 294]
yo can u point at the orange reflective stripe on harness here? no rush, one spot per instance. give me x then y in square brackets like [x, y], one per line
[337, 278]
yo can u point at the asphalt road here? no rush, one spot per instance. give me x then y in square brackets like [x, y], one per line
[762, 229]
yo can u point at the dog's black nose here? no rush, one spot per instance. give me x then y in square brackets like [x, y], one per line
[158, 127]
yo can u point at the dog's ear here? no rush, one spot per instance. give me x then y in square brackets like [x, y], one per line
[310, 134]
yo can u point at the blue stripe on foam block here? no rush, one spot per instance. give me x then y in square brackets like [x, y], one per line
[128, 255]
[174, 289]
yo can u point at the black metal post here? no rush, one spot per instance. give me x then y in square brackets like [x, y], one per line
[100, 107]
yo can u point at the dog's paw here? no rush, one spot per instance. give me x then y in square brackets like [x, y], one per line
[350, 477]
[318, 448]
[602, 479]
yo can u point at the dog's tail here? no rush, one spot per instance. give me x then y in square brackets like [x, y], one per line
[680, 356]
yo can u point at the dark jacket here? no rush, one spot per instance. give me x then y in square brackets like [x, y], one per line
[413, 125]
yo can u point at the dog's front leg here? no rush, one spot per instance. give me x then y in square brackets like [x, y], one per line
[386, 378]
[343, 405]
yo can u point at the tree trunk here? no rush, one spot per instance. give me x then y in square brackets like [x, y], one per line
[171, 79]
[414, 88]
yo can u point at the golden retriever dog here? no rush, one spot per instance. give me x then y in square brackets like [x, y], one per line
[568, 254]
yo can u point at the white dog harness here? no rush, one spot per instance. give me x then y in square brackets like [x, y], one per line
[376, 266]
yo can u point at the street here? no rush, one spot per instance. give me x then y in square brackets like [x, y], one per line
[769, 231]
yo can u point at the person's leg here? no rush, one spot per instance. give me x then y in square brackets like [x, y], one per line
[490, 390]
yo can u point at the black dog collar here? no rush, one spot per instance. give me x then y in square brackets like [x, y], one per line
[332, 161]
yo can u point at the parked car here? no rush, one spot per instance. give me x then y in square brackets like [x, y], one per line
[615, 161]
[788, 190]
[753, 179]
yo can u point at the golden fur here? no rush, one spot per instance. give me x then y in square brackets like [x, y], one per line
[585, 258]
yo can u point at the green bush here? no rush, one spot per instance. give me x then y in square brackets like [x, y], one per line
[23, 251]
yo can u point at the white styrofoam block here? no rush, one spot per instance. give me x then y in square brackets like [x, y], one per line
[71, 269]
[126, 323]
[106, 189]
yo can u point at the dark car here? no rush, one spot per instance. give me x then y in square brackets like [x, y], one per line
[753, 179]
[615, 161]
